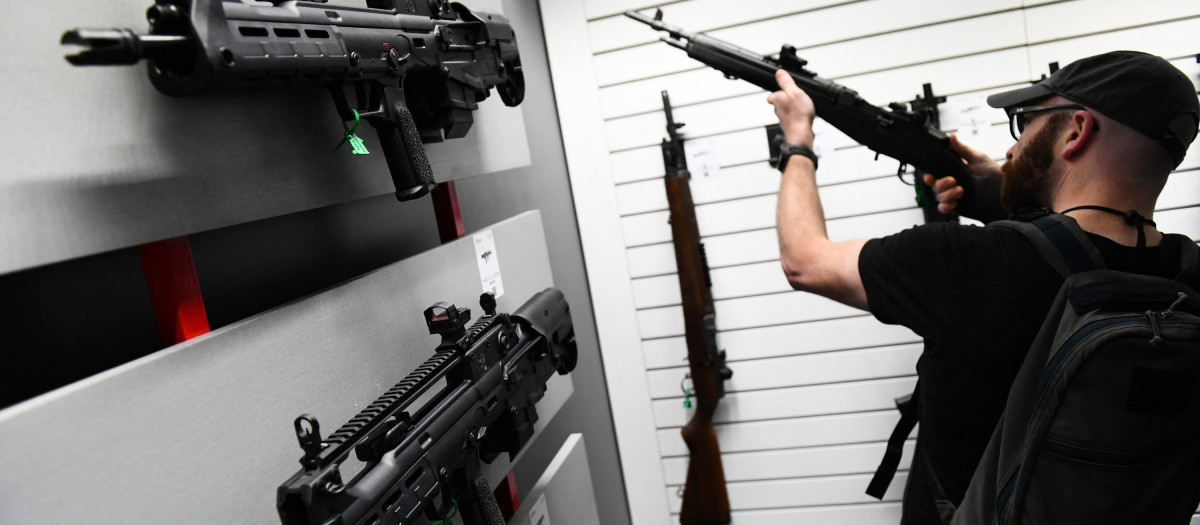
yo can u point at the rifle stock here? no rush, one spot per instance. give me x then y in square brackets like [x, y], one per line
[897, 132]
[705, 500]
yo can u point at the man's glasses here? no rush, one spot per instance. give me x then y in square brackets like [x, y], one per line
[1017, 118]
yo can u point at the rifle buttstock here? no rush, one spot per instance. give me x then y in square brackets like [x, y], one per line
[705, 501]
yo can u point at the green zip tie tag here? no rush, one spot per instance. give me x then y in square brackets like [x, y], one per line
[920, 194]
[446, 520]
[356, 144]
[687, 399]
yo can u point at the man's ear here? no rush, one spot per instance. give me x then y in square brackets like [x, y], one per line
[1078, 133]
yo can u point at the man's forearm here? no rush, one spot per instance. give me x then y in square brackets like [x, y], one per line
[800, 219]
[810, 261]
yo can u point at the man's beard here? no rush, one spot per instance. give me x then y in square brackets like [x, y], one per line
[1027, 179]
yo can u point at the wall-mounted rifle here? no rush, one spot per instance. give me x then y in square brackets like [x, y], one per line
[705, 501]
[418, 69]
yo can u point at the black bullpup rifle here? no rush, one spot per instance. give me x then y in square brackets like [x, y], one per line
[705, 500]
[418, 68]
[895, 131]
[494, 371]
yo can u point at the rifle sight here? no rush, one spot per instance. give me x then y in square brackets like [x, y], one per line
[658, 25]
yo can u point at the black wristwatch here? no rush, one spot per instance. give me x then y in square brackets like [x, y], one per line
[787, 150]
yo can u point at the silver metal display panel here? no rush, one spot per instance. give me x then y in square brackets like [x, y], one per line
[563, 495]
[95, 159]
[202, 432]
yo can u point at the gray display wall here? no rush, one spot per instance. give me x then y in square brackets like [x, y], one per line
[100, 160]
[69, 319]
[544, 186]
[202, 432]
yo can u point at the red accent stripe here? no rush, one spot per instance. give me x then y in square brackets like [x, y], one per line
[174, 290]
[445, 209]
[506, 496]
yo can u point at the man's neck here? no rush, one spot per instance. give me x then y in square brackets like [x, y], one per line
[1114, 227]
[1093, 186]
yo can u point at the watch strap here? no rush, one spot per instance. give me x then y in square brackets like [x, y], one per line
[787, 150]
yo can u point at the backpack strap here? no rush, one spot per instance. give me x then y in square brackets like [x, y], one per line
[1061, 242]
[1189, 260]
[895, 447]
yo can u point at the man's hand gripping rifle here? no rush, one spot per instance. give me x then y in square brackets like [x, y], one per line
[495, 371]
[904, 135]
[417, 68]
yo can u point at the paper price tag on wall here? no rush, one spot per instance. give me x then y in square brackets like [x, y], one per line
[701, 158]
[489, 263]
[822, 143]
[973, 113]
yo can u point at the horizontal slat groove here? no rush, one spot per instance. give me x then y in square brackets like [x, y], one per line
[903, 470]
[751, 230]
[727, 26]
[755, 327]
[777, 356]
[762, 420]
[800, 50]
[767, 389]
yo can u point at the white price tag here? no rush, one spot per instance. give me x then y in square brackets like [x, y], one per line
[701, 158]
[973, 114]
[489, 263]
[538, 515]
[821, 140]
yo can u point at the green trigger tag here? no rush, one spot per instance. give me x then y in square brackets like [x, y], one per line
[920, 195]
[356, 143]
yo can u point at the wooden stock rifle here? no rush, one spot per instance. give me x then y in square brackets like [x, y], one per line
[705, 501]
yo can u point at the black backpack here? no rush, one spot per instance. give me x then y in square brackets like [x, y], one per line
[1102, 422]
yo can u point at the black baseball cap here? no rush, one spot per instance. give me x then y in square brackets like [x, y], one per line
[1139, 90]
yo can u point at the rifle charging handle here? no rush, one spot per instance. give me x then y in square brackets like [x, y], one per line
[487, 301]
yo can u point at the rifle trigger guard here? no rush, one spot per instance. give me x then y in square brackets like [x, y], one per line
[900, 174]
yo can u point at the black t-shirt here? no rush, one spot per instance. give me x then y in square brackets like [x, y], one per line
[977, 296]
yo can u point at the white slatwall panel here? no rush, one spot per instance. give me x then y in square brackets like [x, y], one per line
[836, 460]
[803, 432]
[830, 490]
[860, 331]
[812, 369]
[794, 402]
[811, 402]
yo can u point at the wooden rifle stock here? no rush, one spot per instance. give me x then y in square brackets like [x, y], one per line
[705, 501]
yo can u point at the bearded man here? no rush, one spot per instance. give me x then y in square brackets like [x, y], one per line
[1095, 142]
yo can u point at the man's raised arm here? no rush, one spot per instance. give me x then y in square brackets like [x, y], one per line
[810, 261]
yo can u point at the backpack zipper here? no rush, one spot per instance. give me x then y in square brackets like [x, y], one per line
[1166, 314]
[1111, 459]
[1089, 329]
[1076, 338]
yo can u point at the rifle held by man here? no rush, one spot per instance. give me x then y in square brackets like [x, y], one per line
[495, 371]
[705, 500]
[904, 135]
[418, 69]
